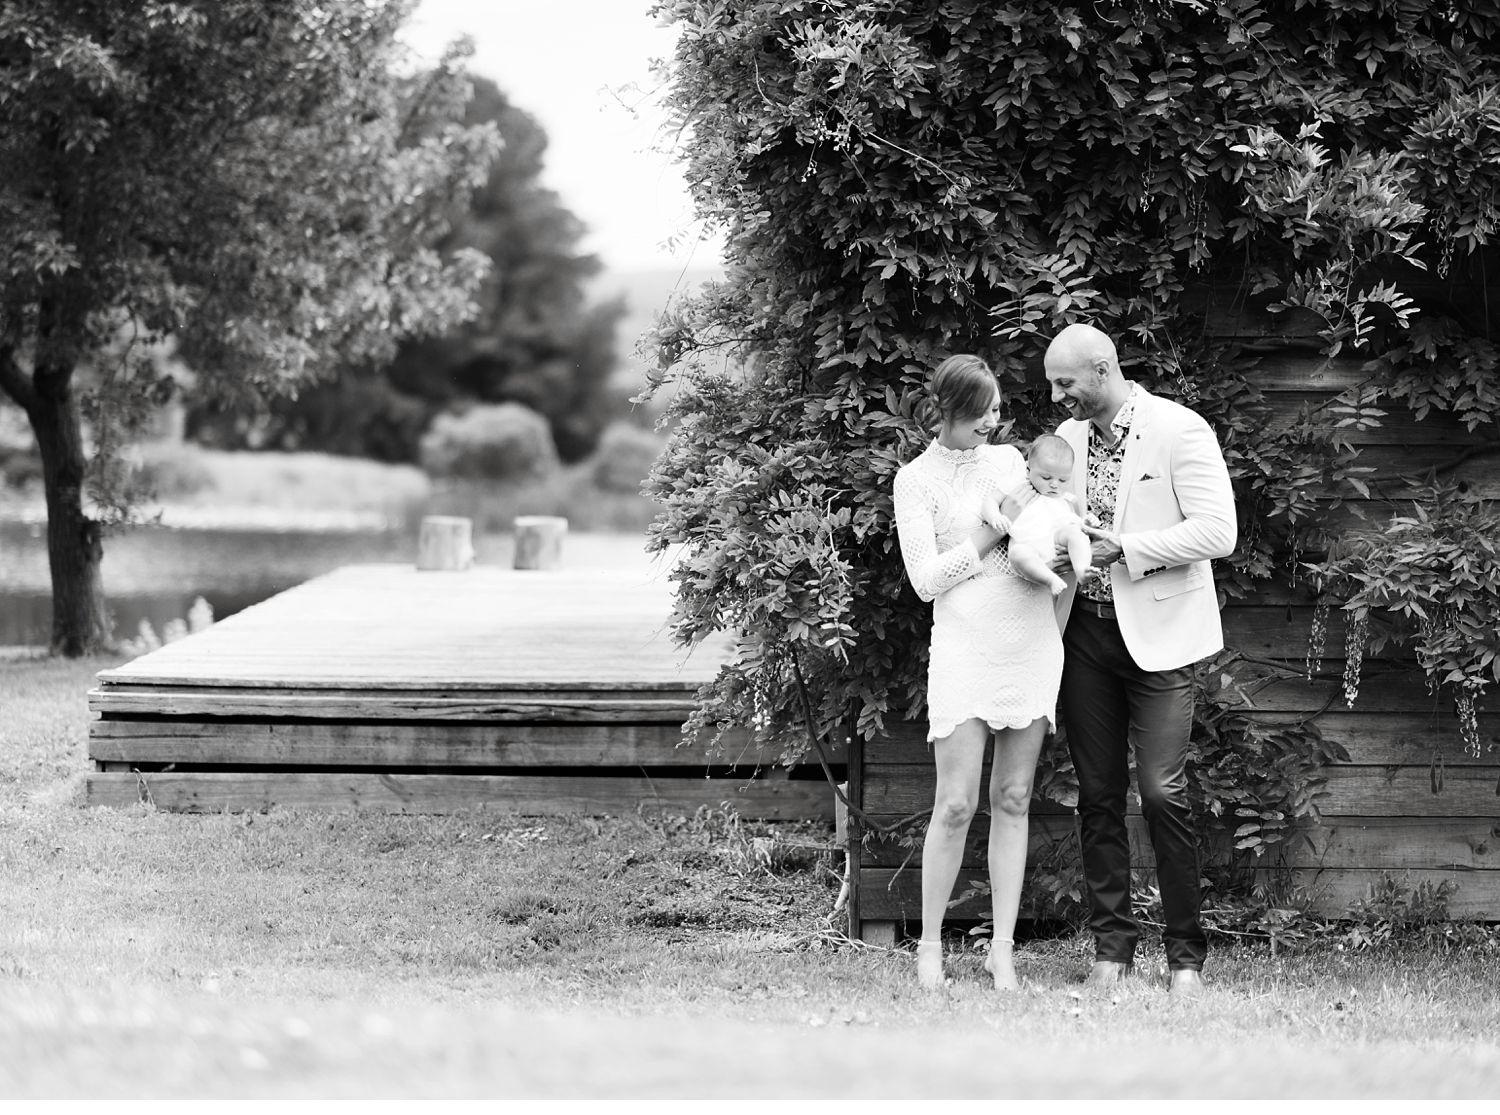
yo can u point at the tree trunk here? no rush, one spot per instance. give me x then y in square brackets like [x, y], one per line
[75, 546]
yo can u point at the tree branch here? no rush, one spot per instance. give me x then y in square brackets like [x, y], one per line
[855, 812]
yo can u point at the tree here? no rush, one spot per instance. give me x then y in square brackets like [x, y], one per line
[535, 339]
[262, 180]
[899, 181]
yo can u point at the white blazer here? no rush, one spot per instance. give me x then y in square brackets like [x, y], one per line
[1174, 512]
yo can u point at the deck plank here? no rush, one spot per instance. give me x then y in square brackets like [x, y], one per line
[523, 795]
[286, 702]
[390, 745]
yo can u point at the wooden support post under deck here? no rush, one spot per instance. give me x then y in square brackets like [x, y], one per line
[446, 542]
[539, 540]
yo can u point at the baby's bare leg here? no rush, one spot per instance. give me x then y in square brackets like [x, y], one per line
[1034, 567]
[1080, 551]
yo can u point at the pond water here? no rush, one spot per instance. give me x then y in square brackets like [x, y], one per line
[155, 573]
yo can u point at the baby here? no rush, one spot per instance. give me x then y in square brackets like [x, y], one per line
[1050, 519]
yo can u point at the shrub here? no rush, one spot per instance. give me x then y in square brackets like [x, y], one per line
[171, 471]
[19, 468]
[506, 442]
[350, 416]
[20, 464]
[624, 457]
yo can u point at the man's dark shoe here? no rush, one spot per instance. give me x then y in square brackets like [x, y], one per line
[1107, 973]
[1186, 982]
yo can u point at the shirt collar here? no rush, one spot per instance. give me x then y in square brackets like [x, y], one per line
[1120, 424]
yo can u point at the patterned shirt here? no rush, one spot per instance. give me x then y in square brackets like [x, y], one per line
[1103, 482]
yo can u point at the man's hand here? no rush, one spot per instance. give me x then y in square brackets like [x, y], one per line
[1106, 545]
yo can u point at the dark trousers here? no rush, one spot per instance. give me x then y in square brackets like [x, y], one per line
[1111, 706]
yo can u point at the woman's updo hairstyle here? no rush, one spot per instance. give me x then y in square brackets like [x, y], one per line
[961, 387]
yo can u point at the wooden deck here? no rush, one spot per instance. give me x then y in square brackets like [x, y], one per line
[382, 687]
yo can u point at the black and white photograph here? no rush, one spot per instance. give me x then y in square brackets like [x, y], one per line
[722, 551]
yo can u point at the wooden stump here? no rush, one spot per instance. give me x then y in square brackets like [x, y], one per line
[539, 541]
[445, 542]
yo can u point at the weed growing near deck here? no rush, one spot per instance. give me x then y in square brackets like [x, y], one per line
[146, 954]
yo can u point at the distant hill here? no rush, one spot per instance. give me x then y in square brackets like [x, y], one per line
[647, 292]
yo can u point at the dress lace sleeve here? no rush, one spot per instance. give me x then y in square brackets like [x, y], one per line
[931, 572]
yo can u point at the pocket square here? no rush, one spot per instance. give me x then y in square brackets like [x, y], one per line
[1147, 476]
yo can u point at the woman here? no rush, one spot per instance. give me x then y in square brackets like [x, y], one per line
[996, 655]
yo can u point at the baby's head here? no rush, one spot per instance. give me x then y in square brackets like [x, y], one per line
[1049, 465]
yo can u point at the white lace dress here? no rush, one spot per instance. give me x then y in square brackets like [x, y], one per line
[996, 650]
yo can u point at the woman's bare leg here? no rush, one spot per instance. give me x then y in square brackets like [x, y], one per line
[959, 758]
[1011, 777]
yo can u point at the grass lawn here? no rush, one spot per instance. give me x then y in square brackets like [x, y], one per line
[287, 955]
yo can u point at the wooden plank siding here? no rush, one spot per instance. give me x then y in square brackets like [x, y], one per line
[1392, 808]
[384, 688]
[528, 794]
[887, 895]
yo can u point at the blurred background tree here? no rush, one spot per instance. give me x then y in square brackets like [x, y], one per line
[537, 340]
[266, 183]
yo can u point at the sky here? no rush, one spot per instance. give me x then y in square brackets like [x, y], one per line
[582, 69]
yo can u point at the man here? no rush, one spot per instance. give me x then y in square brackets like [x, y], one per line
[1156, 482]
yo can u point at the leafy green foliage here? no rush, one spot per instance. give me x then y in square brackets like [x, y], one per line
[1395, 910]
[535, 338]
[1433, 577]
[1257, 780]
[900, 181]
[1440, 366]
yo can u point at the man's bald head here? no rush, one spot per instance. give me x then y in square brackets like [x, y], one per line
[1081, 346]
[1083, 370]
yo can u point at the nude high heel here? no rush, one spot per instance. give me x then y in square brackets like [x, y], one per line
[999, 965]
